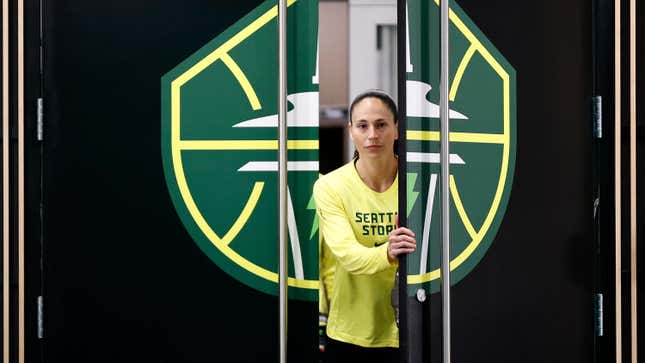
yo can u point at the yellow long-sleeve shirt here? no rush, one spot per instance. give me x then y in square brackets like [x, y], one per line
[326, 274]
[355, 222]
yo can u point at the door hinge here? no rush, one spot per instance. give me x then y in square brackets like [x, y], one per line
[596, 113]
[598, 311]
[40, 317]
[39, 113]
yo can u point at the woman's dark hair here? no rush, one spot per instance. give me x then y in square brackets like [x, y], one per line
[378, 94]
[374, 93]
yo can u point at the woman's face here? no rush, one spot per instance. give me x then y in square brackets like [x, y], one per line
[372, 129]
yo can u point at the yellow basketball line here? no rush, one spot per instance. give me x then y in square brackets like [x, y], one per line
[475, 42]
[245, 144]
[463, 256]
[474, 235]
[246, 213]
[473, 137]
[454, 192]
[242, 80]
[229, 44]
[220, 244]
[460, 71]
[175, 92]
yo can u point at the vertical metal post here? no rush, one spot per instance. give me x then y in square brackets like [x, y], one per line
[21, 181]
[617, 184]
[282, 174]
[445, 178]
[404, 317]
[5, 181]
[632, 182]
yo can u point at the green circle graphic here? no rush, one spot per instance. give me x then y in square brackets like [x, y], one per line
[482, 143]
[219, 147]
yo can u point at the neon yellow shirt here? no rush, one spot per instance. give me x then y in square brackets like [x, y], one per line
[355, 222]
[326, 273]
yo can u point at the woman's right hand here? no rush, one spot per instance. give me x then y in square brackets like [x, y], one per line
[401, 241]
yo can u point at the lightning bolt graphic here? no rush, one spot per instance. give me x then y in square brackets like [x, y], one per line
[412, 195]
[314, 225]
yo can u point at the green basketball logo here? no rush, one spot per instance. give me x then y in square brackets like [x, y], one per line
[219, 146]
[482, 136]
[220, 150]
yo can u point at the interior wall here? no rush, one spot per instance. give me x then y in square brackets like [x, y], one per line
[333, 42]
[333, 39]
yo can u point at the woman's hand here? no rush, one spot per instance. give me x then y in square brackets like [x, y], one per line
[401, 241]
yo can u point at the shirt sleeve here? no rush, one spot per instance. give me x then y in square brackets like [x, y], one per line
[326, 273]
[339, 235]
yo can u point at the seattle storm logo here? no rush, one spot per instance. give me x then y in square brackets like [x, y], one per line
[482, 142]
[219, 147]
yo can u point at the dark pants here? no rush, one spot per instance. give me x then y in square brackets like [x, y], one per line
[339, 352]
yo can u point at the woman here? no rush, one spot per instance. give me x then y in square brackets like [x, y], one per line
[357, 205]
